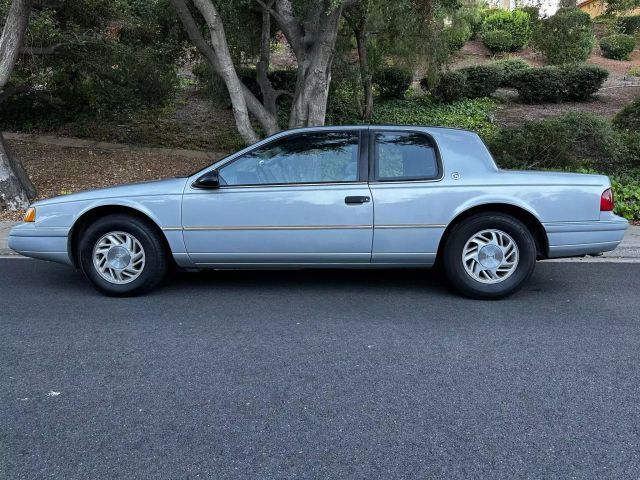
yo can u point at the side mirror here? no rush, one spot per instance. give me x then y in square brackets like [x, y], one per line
[208, 180]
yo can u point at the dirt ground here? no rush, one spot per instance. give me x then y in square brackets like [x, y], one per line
[193, 121]
[60, 171]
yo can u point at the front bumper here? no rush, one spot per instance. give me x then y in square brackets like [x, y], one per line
[576, 239]
[46, 243]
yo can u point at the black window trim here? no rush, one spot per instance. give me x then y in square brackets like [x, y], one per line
[362, 157]
[373, 152]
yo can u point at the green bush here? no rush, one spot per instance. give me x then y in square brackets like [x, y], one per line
[533, 12]
[582, 81]
[497, 41]
[617, 47]
[508, 67]
[213, 85]
[626, 191]
[630, 24]
[481, 80]
[566, 37]
[451, 86]
[629, 117]
[457, 35]
[569, 141]
[555, 84]
[392, 82]
[516, 22]
[471, 15]
[470, 114]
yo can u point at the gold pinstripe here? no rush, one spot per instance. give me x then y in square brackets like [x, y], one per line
[301, 227]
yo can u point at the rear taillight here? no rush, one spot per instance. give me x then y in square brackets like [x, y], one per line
[606, 201]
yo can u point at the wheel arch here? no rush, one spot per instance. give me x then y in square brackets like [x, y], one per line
[525, 216]
[92, 214]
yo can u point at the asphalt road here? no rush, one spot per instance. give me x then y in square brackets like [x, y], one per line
[339, 375]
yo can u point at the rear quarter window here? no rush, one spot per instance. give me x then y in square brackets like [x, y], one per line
[405, 156]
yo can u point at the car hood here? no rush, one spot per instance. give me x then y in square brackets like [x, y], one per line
[168, 186]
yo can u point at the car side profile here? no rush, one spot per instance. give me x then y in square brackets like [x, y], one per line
[332, 197]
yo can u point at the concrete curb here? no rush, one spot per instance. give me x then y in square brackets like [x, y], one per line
[627, 252]
[69, 142]
[4, 233]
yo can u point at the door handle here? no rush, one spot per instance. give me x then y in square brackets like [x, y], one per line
[356, 200]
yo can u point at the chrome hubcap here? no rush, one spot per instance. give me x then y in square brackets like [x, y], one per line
[118, 257]
[490, 256]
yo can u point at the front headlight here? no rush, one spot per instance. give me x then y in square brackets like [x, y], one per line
[30, 216]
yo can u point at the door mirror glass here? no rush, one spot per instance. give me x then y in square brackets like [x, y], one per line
[208, 180]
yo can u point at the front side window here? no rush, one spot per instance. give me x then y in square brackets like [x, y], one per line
[405, 156]
[304, 158]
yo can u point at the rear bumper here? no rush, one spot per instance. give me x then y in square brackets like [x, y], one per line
[45, 243]
[575, 239]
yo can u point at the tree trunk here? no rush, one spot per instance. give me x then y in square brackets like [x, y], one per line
[365, 74]
[227, 70]
[12, 38]
[269, 96]
[212, 55]
[15, 187]
[13, 194]
[315, 55]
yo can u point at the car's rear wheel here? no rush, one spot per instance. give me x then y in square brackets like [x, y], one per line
[122, 255]
[489, 256]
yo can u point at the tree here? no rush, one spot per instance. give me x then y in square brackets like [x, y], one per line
[357, 17]
[98, 58]
[407, 32]
[16, 189]
[310, 28]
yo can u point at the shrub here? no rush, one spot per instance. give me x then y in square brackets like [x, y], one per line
[470, 114]
[392, 82]
[626, 191]
[630, 24]
[481, 80]
[457, 35]
[515, 22]
[451, 86]
[283, 79]
[568, 141]
[508, 67]
[617, 47]
[583, 81]
[533, 12]
[566, 37]
[554, 84]
[629, 117]
[213, 85]
[497, 41]
[471, 15]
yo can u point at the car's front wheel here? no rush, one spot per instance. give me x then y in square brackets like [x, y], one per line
[122, 255]
[489, 256]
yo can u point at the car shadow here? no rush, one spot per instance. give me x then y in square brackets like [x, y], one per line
[410, 280]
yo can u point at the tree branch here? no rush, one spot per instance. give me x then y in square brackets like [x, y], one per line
[290, 27]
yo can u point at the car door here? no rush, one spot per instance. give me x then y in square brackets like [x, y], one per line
[405, 171]
[301, 199]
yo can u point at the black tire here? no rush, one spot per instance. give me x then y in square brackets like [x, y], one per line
[156, 261]
[463, 281]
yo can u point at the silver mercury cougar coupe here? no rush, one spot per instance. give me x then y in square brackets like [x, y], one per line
[332, 197]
